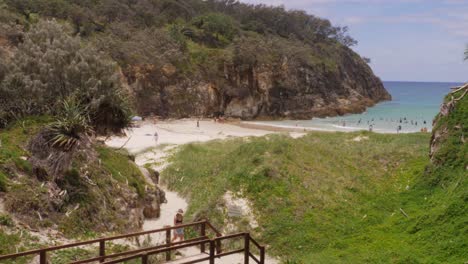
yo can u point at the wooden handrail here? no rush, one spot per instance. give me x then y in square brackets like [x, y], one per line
[213, 228]
[82, 243]
[144, 253]
[156, 251]
[140, 250]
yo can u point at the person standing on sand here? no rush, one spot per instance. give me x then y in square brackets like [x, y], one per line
[178, 220]
[156, 136]
[198, 123]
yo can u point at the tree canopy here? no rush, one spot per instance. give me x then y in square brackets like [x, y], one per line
[50, 65]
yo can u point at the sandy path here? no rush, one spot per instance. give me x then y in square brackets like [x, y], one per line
[142, 142]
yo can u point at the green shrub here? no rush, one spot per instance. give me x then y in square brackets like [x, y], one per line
[3, 182]
[6, 220]
[40, 79]
[71, 125]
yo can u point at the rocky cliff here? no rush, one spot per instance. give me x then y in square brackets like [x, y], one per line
[224, 58]
[285, 88]
[448, 141]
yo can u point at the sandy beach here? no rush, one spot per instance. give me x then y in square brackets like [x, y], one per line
[176, 132]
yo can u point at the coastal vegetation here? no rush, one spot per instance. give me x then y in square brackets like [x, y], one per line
[340, 197]
[178, 58]
[101, 190]
[73, 70]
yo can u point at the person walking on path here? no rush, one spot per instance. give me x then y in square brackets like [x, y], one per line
[178, 220]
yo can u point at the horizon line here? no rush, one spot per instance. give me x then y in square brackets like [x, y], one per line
[425, 81]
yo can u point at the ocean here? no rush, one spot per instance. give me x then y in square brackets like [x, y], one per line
[413, 107]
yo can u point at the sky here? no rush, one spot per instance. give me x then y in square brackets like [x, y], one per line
[406, 40]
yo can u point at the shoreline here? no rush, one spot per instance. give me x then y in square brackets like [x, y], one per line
[142, 135]
[304, 129]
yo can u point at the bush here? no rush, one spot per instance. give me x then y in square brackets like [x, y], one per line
[218, 29]
[49, 66]
[72, 124]
[3, 182]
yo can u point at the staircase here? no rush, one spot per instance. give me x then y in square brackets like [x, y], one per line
[199, 249]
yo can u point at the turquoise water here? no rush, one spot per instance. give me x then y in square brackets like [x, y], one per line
[414, 103]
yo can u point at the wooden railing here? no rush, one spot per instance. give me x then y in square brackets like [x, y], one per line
[215, 250]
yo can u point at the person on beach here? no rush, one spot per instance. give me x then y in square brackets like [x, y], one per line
[156, 136]
[198, 123]
[178, 220]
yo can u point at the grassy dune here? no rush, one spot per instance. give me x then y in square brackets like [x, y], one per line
[113, 174]
[326, 198]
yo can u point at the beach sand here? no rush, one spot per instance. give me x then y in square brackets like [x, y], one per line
[142, 141]
[177, 132]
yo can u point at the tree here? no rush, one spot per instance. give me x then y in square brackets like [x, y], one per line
[50, 65]
[216, 25]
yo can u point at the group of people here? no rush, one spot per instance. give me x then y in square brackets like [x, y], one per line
[401, 121]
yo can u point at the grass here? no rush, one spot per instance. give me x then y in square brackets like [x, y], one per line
[97, 185]
[17, 240]
[122, 169]
[12, 143]
[325, 198]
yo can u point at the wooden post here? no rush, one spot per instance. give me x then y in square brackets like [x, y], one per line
[43, 257]
[246, 248]
[144, 259]
[203, 234]
[102, 250]
[168, 244]
[212, 252]
[262, 255]
[219, 250]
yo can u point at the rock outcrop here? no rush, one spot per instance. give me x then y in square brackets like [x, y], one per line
[286, 89]
[448, 142]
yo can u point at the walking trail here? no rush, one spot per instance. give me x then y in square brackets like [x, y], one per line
[148, 148]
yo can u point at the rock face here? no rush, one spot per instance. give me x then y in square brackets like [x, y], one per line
[287, 89]
[448, 142]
